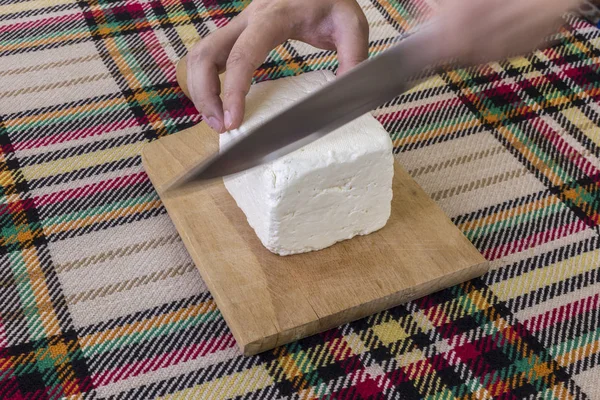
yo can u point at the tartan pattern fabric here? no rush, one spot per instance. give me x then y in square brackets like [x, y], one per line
[99, 299]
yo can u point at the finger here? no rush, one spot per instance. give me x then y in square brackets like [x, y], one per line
[350, 36]
[248, 53]
[205, 90]
[204, 63]
[464, 24]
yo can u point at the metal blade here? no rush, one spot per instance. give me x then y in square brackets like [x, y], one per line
[348, 97]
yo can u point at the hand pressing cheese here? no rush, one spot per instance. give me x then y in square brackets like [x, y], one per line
[333, 189]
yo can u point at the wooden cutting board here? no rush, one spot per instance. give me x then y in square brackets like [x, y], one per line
[268, 300]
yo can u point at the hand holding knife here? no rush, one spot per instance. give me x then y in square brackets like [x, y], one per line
[355, 93]
[470, 31]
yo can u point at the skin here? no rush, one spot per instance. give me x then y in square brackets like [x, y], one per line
[470, 31]
[488, 30]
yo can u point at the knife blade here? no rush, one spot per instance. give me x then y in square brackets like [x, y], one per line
[346, 98]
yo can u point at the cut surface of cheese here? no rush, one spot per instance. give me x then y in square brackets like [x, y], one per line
[330, 190]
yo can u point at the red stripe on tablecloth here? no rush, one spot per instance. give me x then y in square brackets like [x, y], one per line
[164, 360]
[90, 190]
[564, 148]
[412, 112]
[75, 135]
[41, 22]
[563, 313]
[534, 240]
[3, 340]
[63, 195]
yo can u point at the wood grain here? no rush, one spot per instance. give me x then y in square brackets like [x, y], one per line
[268, 300]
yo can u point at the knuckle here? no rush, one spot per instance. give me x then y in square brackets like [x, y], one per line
[359, 22]
[268, 10]
[236, 57]
[199, 104]
[211, 92]
[201, 51]
[240, 58]
[353, 16]
[205, 104]
[234, 92]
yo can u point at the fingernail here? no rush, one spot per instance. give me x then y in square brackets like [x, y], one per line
[228, 121]
[215, 124]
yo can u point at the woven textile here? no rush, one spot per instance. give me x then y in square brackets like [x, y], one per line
[99, 299]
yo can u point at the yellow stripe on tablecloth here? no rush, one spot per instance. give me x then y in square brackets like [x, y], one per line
[435, 81]
[390, 332]
[228, 386]
[588, 127]
[31, 5]
[6, 178]
[147, 324]
[46, 41]
[322, 60]
[399, 19]
[188, 34]
[543, 277]
[122, 64]
[75, 110]
[356, 344]
[506, 132]
[82, 161]
[578, 353]
[537, 162]
[41, 295]
[560, 391]
[503, 215]
[437, 132]
[107, 216]
[292, 372]
[519, 62]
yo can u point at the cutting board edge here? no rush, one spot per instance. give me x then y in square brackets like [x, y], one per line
[257, 346]
[238, 336]
[253, 343]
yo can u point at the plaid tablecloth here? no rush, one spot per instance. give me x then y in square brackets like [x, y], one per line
[99, 299]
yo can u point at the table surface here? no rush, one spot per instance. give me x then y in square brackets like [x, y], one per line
[99, 298]
[270, 300]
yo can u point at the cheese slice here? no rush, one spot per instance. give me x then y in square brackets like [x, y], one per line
[333, 189]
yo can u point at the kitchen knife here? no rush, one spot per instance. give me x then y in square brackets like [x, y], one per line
[348, 97]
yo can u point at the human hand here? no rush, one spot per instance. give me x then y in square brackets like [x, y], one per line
[477, 31]
[243, 45]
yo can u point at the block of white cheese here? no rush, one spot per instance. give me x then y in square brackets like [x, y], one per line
[332, 189]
